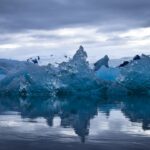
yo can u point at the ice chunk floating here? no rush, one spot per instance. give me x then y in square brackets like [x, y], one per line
[29, 79]
[74, 77]
[135, 76]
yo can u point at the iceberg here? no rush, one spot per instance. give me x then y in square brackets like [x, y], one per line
[74, 77]
[102, 62]
[136, 76]
[108, 74]
[29, 79]
[34, 78]
[77, 76]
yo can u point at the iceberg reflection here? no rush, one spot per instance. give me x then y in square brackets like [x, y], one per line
[86, 118]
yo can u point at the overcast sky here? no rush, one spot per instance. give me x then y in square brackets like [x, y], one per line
[118, 28]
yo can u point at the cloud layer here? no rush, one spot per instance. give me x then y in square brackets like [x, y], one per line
[33, 27]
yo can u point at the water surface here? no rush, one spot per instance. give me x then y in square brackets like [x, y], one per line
[75, 123]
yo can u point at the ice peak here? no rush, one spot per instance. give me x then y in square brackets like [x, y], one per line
[81, 48]
[102, 62]
[80, 54]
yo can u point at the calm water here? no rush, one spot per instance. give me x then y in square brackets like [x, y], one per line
[75, 123]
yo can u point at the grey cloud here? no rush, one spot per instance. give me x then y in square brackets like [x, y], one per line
[19, 19]
[17, 15]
